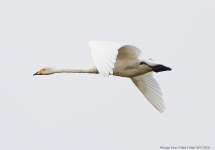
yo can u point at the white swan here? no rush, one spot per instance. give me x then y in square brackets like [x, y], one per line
[121, 60]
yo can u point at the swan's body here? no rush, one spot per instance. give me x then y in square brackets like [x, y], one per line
[121, 60]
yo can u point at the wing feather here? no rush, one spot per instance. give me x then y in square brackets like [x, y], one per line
[105, 54]
[154, 98]
[149, 87]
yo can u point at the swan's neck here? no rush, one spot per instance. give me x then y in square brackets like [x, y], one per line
[76, 70]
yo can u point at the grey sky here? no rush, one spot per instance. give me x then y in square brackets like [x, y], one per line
[90, 112]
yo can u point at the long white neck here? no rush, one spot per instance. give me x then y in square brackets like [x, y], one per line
[76, 70]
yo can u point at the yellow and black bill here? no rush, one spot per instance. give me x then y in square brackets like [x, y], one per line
[38, 73]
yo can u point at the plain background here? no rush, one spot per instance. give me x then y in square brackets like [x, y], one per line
[90, 112]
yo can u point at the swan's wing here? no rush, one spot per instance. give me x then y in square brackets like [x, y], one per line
[150, 89]
[105, 54]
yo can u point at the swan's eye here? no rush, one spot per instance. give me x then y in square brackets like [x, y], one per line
[44, 69]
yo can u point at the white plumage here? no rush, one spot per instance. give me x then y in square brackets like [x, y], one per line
[105, 54]
[117, 59]
[150, 89]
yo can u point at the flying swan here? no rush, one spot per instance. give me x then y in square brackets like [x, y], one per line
[117, 59]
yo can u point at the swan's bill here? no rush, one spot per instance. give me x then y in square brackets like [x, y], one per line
[38, 73]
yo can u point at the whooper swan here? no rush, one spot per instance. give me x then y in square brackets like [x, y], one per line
[121, 60]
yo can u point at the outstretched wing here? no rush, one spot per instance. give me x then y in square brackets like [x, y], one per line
[150, 89]
[105, 54]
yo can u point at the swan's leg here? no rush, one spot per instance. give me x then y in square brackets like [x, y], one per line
[157, 68]
[160, 68]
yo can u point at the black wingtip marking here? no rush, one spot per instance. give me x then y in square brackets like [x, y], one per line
[160, 68]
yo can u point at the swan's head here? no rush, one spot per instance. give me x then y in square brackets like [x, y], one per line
[44, 71]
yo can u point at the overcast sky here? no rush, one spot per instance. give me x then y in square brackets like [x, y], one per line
[90, 112]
